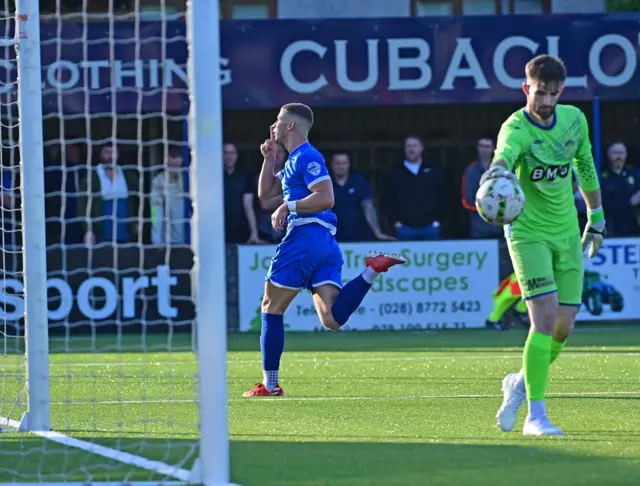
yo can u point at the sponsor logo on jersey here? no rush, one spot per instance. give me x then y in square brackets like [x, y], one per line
[550, 172]
[538, 283]
[570, 149]
[314, 168]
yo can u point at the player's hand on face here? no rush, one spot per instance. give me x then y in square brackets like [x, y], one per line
[593, 236]
[268, 150]
[279, 217]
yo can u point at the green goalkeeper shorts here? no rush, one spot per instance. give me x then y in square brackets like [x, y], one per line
[546, 266]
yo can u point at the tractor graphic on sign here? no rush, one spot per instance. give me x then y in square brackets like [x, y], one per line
[596, 293]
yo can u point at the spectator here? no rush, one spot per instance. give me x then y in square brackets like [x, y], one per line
[479, 228]
[64, 171]
[620, 192]
[239, 192]
[108, 203]
[168, 202]
[357, 217]
[414, 195]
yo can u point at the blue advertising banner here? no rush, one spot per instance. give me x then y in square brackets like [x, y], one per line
[131, 67]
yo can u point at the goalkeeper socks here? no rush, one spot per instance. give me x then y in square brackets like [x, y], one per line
[537, 407]
[536, 361]
[351, 295]
[556, 349]
[272, 347]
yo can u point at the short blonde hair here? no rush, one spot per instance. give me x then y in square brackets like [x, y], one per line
[299, 110]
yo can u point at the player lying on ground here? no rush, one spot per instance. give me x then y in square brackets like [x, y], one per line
[541, 142]
[308, 256]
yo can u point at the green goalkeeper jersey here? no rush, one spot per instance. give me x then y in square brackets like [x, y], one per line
[543, 159]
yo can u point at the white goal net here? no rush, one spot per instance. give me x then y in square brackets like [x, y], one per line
[101, 220]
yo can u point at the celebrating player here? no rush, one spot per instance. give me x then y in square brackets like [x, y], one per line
[541, 142]
[308, 256]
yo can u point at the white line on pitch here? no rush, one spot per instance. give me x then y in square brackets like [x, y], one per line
[515, 355]
[433, 397]
[322, 399]
[107, 452]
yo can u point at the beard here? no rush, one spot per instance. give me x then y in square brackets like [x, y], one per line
[545, 112]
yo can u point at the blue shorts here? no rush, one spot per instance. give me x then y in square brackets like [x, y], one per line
[307, 257]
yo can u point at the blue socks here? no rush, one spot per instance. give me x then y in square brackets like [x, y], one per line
[349, 299]
[272, 341]
[272, 335]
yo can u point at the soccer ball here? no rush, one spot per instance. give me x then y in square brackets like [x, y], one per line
[499, 201]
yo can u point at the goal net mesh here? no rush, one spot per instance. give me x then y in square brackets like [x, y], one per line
[13, 369]
[124, 390]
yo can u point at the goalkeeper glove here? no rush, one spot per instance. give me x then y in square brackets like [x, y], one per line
[497, 171]
[594, 231]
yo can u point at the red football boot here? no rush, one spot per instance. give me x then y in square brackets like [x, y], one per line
[261, 391]
[381, 262]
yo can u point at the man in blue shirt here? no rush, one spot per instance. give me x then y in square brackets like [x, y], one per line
[479, 228]
[109, 200]
[357, 217]
[309, 256]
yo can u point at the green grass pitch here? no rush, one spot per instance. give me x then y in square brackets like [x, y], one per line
[384, 409]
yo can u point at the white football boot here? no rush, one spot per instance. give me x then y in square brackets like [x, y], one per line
[540, 426]
[513, 400]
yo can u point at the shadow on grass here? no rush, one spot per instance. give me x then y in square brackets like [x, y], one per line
[445, 464]
[26, 458]
[349, 462]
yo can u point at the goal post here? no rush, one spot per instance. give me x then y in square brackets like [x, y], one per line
[38, 414]
[113, 364]
[205, 135]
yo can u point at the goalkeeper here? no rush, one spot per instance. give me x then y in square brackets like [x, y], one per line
[542, 142]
